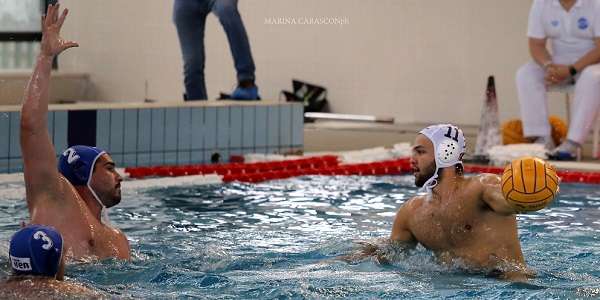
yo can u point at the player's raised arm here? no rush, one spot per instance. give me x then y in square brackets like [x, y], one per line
[39, 161]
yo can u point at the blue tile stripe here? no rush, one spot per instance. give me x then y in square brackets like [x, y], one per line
[165, 135]
[81, 129]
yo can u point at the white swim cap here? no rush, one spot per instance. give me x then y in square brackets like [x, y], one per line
[449, 146]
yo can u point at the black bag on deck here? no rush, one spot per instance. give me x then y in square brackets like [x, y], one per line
[313, 96]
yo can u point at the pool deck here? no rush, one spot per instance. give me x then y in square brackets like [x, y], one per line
[328, 135]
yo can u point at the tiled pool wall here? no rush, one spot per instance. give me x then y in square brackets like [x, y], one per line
[153, 135]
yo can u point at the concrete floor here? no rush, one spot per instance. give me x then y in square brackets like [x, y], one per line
[334, 136]
[345, 136]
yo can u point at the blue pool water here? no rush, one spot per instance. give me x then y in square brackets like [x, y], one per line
[279, 240]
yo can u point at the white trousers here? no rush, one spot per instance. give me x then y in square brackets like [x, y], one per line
[534, 111]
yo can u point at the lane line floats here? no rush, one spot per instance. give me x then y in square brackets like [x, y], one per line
[327, 165]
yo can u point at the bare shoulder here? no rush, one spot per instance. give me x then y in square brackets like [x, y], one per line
[58, 206]
[121, 248]
[119, 233]
[412, 204]
[75, 289]
[481, 187]
[407, 211]
[485, 180]
[486, 189]
[401, 227]
[61, 195]
[44, 288]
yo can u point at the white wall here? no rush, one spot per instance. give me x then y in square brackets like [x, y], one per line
[421, 61]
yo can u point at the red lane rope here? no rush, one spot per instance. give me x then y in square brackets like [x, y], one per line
[318, 165]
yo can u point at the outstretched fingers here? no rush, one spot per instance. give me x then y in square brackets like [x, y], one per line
[61, 19]
[48, 17]
[52, 22]
[51, 17]
[55, 11]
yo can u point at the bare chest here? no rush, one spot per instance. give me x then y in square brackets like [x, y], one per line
[85, 236]
[444, 226]
[100, 242]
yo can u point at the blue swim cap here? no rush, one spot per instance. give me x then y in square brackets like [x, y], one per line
[36, 250]
[77, 163]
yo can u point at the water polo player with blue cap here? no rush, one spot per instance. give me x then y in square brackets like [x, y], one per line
[77, 165]
[449, 147]
[73, 198]
[37, 258]
[37, 250]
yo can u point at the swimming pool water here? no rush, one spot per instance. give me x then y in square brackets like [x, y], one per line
[279, 240]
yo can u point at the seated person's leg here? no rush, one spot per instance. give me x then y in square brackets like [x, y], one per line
[532, 99]
[584, 112]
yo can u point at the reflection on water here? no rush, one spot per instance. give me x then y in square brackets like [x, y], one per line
[280, 239]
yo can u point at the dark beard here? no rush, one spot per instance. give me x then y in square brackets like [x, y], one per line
[425, 174]
[113, 201]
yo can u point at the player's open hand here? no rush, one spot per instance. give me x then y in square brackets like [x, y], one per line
[52, 44]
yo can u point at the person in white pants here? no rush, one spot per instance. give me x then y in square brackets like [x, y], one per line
[573, 28]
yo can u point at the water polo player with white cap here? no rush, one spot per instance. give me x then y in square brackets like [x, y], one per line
[464, 220]
[449, 147]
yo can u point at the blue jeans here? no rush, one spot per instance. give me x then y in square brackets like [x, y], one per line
[189, 17]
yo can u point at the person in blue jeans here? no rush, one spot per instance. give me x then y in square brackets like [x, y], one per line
[189, 17]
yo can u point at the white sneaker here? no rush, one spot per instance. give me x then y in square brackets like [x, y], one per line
[547, 141]
[568, 150]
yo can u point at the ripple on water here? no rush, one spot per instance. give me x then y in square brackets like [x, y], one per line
[281, 239]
